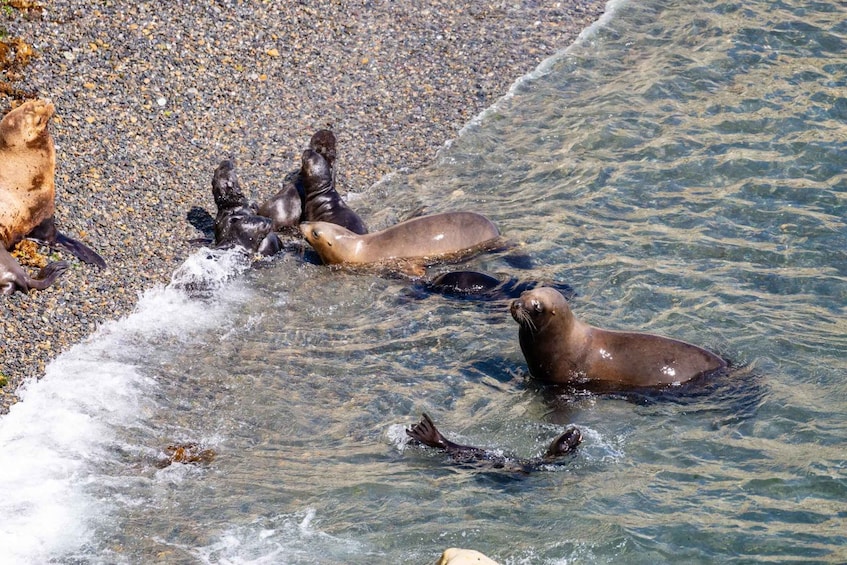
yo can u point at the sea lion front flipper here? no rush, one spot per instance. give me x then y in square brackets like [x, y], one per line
[46, 233]
[79, 250]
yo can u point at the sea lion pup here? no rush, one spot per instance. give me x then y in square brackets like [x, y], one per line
[284, 208]
[27, 182]
[237, 222]
[559, 349]
[13, 277]
[323, 204]
[425, 237]
[426, 433]
[323, 142]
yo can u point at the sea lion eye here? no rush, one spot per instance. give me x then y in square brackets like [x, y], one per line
[536, 305]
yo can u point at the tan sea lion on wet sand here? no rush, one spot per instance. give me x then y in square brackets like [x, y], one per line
[13, 277]
[422, 238]
[27, 186]
[560, 349]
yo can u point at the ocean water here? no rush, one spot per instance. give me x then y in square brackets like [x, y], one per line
[681, 167]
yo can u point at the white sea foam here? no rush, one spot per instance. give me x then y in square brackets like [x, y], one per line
[52, 440]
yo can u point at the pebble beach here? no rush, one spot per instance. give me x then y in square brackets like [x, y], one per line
[150, 97]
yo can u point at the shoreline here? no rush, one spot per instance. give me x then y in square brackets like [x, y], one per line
[148, 103]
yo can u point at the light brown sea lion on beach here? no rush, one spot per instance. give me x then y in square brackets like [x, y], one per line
[27, 181]
[13, 277]
[425, 237]
[559, 349]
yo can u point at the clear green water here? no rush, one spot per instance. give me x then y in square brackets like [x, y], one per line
[682, 168]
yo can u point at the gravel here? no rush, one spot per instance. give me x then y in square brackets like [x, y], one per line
[150, 96]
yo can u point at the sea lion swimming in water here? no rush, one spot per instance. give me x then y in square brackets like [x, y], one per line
[237, 222]
[560, 349]
[426, 433]
[27, 182]
[474, 285]
[13, 277]
[422, 238]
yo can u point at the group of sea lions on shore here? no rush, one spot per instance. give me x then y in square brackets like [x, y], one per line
[558, 348]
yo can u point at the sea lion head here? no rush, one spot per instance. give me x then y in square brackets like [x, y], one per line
[538, 307]
[334, 243]
[26, 125]
[315, 171]
[323, 142]
[226, 188]
[565, 443]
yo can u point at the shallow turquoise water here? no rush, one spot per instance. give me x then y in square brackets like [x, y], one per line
[681, 167]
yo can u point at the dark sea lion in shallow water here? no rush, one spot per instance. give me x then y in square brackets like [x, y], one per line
[423, 238]
[323, 203]
[13, 277]
[560, 349]
[27, 182]
[474, 285]
[237, 223]
[426, 433]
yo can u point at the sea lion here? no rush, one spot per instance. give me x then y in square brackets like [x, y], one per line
[559, 349]
[13, 277]
[323, 142]
[473, 285]
[426, 433]
[27, 182]
[237, 222]
[425, 237]
[283, 208]
[323, 204]
[458, 556]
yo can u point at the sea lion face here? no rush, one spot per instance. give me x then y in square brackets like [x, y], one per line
[323, 142]
[538, 307]
[315, 171]
[334, 243]
[565, 443]
[26, 124]
[226, 188]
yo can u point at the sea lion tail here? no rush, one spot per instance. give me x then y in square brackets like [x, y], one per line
[426, 433]
[48, 275]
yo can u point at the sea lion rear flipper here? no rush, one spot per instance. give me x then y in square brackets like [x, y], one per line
[426, 433]
[48, 275]
[79, 250]
[46, 233]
